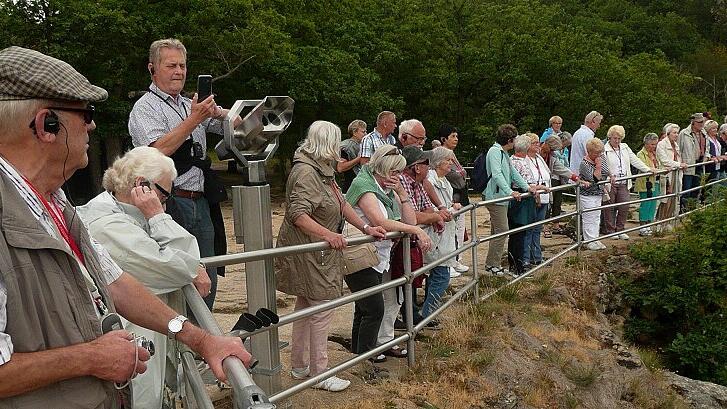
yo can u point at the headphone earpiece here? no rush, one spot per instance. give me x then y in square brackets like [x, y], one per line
[51, 123]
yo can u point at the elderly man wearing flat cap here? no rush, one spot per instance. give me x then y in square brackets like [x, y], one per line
[58, 287]
[692, 141]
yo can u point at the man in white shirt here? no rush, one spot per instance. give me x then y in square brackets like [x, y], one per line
[581, 136]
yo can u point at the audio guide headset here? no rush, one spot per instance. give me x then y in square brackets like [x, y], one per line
[50, 123]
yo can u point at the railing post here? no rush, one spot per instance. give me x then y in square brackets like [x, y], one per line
[474, 237]
[677, 197]
[579, 221]
[260, 279]
[409, 300]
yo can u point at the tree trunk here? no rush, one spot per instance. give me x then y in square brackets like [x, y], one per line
[114, 148]
[95, 164]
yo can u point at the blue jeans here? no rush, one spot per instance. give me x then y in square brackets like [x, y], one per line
[197, 222]
[533, 251]
[436, 284]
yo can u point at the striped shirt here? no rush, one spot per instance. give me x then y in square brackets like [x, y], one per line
[110, 270]
[155, 114]
[370, 142]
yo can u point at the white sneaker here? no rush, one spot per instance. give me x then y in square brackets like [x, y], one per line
[461, 268]
[623, 236]
[453, 272]
[595, 246]
[333, 384]
[300, 373]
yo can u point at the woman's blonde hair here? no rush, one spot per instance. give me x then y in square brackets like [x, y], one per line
[593, 145]
[145, 162]
[322, 141]
[616, 130]
[383, 161]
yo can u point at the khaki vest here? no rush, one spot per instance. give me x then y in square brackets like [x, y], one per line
[48, 301]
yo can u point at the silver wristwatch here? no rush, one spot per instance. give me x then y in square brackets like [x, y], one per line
[175, 325]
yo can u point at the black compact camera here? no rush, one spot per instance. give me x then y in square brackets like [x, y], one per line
[649, 187]
[197, 150]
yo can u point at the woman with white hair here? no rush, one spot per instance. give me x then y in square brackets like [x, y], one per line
[316, 210]
[620, 159]
[536, 172]
[444, 242]
[379, 198]
[669, 154]
[128, 219]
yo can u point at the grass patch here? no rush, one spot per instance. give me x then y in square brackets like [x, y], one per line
[572, 261]
[580, 374]
[442, 351]
[571, 401]
[480, 360]
[509, 294]
[650, 358]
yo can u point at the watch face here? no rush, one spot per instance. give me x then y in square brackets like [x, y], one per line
[175, 326]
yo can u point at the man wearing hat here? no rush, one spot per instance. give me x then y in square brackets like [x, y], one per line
[57, 285]
[692, 140]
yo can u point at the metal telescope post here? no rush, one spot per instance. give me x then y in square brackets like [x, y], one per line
[251, 142]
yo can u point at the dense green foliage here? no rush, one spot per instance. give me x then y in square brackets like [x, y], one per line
[475, 64]
[680, 303]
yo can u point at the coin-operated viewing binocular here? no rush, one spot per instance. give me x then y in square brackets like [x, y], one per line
[251, 131]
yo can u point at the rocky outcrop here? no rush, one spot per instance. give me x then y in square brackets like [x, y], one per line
[699, 394]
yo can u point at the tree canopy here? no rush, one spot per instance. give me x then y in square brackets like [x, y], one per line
[473, 64]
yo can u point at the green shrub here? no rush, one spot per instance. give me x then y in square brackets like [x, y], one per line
[680, 303]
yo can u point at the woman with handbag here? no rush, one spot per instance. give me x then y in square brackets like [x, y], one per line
[457, 177]
[315, 211]
[379, 199]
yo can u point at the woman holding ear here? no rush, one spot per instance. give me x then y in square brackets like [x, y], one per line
[128, 219]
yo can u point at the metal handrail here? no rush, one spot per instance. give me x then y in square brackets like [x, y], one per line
[470, 286]
[246, 394]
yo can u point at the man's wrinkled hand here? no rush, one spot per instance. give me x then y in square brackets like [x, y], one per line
[215, 349]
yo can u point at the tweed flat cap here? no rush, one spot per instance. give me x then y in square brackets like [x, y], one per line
[28, 74]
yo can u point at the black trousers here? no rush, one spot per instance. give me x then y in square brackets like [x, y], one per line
[367, 312]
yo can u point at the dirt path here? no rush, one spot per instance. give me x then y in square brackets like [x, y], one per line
[232, 300]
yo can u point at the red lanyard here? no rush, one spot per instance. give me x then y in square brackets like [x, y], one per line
[57, 216]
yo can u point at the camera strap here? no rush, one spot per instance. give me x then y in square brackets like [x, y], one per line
[170, 106]
[56, 215]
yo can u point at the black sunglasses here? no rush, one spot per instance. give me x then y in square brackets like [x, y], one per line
[393, 152]
[164, 193]
[87, 112]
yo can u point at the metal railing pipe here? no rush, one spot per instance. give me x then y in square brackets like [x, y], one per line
[239, 258]
[409, 299]
[246, 394]
[328, 305]
[194, 380]
[455, 297]
[474, 239]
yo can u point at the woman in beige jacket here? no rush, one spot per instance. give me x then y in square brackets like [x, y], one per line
[316, 210]
[667, 152]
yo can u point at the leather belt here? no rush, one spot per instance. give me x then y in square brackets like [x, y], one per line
[187, 194]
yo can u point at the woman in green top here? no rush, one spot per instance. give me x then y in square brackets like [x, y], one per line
[651, 186]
